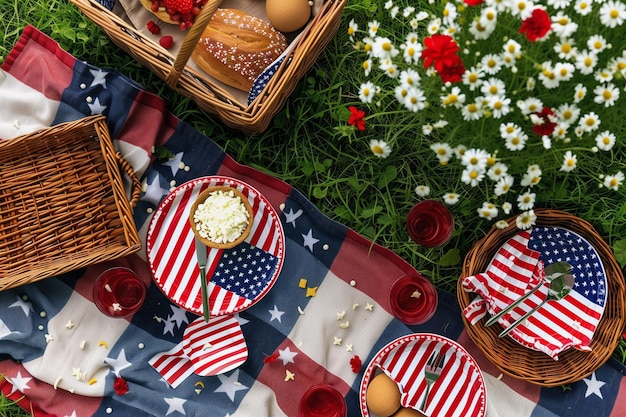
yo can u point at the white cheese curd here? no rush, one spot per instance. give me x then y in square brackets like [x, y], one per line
[222, 217]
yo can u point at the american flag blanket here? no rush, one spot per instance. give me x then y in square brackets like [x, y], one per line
[62, 357]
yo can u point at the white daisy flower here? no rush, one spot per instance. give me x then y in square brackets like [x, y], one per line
[489, 17]
[569, 162]
[521, 8]
[526, 201]
[372, 28]
[526, 220]
[383, 48]
[530, 178]
[563, 26]
[454, 98]
[597, 43]
[603, 76]
[412, 52]
[606, 94]
[451, 198]
[517, 142]
[605, 140]
[472, 176]
[583, 7]
[497, 170]
[500, 106]
[589, 122]
[440, 124]
[409, 77]
[434, 26]
[499, 5]
[547, 76]
[491, 63]
[580, 91]
[388, 67]
[509, 130]
[546, 142]
[367, 92]
[401, 91]
[512, 47]
[449, 13]
[501, 224]
[352, 29]
[585, 62]
[472, 78]
[415, 100]
[612, 13]
[565, 48]
[427, 129]
[479, 31]
[487, 211]
[560, 131]
[507, 207]
[422, 190]
[388, 4]
[459, 150]
[567, 113]
[380, 148]
[559, 4]
[614, 181]
[475, 159]
[394, 12]
[530, 105]
[367, 67]
[472, 111]
[564, 71]
[493, 87]
[503, 185]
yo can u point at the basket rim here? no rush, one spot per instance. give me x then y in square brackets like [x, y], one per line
[573, 365]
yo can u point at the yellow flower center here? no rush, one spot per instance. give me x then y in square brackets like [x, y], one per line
[490, 16]
[606, 140]
[590, 121]
[480, 27]
[607, 94]
[491, 63]
[511, 49]
[386, 46]
[614, 14]
[497, 105]
[441, 151]
[493, 89]
[597, 45]
[567, 114]
[563, 21]
[570, 162]
[532, 108]
[583, 5]
[474, 160]
[413, 100]
[350, 31]
[366, 65]
[566, 48]
[404, 92]
[366, 91]
[515, 141]
[451, 99]
[510, 129]
[521, 5]
[526, 199]
[377, 149]
[564, 72]
[473, 77]
[410, 51]
[473, 175]
[368, 47]
[588, 62]
[614, 182]
[472, 108]
[490, 162]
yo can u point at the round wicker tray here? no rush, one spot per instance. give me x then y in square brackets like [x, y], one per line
[536, 367]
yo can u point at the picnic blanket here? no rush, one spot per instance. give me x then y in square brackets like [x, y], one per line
[61, 356]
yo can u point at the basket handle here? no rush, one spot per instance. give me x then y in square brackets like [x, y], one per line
[126, 167]
[190, 41]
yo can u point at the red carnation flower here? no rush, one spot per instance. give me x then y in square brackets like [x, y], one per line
[120, 386]
[356, 118]
[547, 125]
[355, 364]
[537, 25]
[441, 53]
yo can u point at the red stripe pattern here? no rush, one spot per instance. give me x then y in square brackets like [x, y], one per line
[172, 253]
[173, 365]
[517, 268]
[458, 392]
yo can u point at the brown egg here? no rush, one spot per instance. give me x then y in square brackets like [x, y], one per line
[408, 412]
[383, 395]
[288, 15]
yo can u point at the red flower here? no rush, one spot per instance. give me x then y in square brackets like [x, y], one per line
[537, 25]
[547, 125]
[441, 53]
[473, 2]
[453, 70]
[355, 364]
[356, 118]
[120, 386]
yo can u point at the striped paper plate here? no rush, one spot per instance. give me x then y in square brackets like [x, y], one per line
[239, 277]
[459, 391]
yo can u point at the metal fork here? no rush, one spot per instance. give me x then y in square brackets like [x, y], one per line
[432, 372]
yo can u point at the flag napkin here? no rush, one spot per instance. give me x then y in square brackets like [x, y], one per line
[518, 267]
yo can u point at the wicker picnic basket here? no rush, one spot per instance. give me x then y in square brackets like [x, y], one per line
[209, 94]
[536, 367]
[63, 204]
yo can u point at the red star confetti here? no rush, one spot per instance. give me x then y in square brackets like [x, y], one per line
[271, 358]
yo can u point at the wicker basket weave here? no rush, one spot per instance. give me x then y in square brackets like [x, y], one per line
[62, 202]
[209, 94]
[536, 367]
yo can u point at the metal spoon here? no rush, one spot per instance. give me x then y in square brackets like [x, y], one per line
[552, 271]
[560, 286]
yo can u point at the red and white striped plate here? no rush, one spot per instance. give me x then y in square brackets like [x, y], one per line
[459, 391]
[238, 277]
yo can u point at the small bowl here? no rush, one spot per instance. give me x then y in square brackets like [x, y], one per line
[202, 198]
[413, 299]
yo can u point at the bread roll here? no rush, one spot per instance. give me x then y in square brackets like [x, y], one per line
[236, 47]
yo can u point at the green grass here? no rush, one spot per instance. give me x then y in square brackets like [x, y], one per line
[310, 145]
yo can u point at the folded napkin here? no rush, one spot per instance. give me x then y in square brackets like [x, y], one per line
[518, 267]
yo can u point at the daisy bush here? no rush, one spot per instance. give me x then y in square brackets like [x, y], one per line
[519, 103]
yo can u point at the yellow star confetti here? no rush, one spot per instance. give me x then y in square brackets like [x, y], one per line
[311, 291]
[289, 376]
[337, 341]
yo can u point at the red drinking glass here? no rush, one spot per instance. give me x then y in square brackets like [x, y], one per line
[413, 299]
[119, 292]
[430, 223]
[322, 401]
